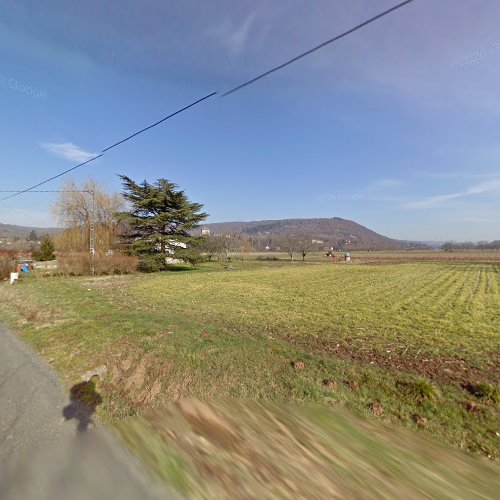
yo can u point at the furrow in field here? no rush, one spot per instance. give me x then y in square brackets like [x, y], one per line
[417, 306]
[445, 297]
[420, 285]
[422, 298]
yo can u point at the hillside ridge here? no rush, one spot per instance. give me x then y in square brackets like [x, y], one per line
[329, 230]
[11, 231]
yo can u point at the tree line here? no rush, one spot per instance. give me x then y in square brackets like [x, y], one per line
[159, 224]
[451, 246]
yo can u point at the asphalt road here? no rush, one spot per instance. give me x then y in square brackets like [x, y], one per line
[49, 446]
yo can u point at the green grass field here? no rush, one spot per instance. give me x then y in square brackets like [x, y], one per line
[434, 312]
[414, 344]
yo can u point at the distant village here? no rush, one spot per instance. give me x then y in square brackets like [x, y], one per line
[17, 244]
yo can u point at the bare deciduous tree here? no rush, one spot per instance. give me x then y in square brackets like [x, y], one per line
[289, 244]
[305, 244]
[218, 245]
[73, 209]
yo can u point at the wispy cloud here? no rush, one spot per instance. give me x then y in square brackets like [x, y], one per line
[235, 38]
[458, 175]
[441, 199]
[67, 150]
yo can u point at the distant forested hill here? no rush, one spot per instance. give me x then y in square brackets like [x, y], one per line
[331, 231]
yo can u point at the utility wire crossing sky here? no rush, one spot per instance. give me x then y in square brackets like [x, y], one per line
[239, 87]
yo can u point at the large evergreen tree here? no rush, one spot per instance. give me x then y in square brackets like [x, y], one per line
[160, 216]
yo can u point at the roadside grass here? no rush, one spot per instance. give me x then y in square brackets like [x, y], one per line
[245, 449]
[375, 339]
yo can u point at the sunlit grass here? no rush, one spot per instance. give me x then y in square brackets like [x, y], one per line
[397, 337]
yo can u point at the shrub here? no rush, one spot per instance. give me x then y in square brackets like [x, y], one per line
[7, 265]
[267, 257]
[74, 264]
[190, 255]
[79, 264]
[152, 263]
[117, 263]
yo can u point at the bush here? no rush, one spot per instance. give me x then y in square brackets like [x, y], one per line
[267, 257]
[190, 255]
[7, 266]
[74, 264]
[117, 263]
[79, 264]
[152, 263]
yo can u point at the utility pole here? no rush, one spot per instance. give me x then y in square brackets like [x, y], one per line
[91, 218]
[92, 232]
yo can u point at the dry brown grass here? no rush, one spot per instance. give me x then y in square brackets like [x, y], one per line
[79, 264]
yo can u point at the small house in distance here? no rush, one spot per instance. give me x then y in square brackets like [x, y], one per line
[205, 231]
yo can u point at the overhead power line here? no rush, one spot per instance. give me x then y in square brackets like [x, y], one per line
[320, 46]
[159, 121]
[239, 87]
[49, 191]
[17, 193]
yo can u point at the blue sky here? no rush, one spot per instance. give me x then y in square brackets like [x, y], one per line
[396, 127]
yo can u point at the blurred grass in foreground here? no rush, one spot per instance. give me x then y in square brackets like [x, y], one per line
[246, 449]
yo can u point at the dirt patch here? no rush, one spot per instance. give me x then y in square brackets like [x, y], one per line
[376, 409]
[441, 368]
[471, 407]
[38, 316]
[420, 420]
[135, 379]
[329, 384]
[139, 377]
[104, 282]
[354, 386]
